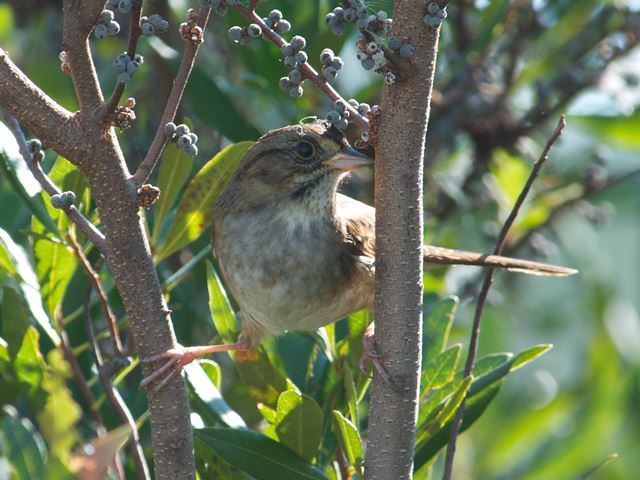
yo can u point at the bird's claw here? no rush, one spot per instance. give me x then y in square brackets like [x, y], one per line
[174, 360]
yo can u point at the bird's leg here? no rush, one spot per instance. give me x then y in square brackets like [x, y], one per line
[371, 355]
[174, 360]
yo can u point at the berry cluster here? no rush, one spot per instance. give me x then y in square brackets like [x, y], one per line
[276, 23]
[370, 54]
[435, 15]
[125, 67]
[63, 200]
[293, 83]
[357, 12]
[190, 30]
[106, 25]
[403, 48]
[182, 137]
[123, 6]
[331, 64]
[244, 35]
[153, 24]
[294, 52]
[339, 116]
[125, 115]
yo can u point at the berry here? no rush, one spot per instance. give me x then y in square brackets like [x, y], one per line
[285, 83]
[340, 106]
[433, 8]
[191, 150]
[183, 141]
[364, 108]
[132, 67]
[434, 22]
[235, 33]
[338, 12]
[55, 201]
[407, 50]
[326, 56]
[350, 14]
[382, 15]
[290, 61]
[160, 23]
[295, 76]
[34, 145]
[100, 31]
[67, 199]
[333, 117]
[113, 28]
[287, 50]
[368, 63]
[353, 102]
[193, 137]
[105, 17]
[275, 16]
[120, 65]
[125, 6]
[296, 91]
[298, 42]
[283, 26]
[331, 20]
[330, 72]
[169, 129]
[395, 43]
[182, 129]
[337, 63]
[147, 28]
[254, 30]
[301, 57]
[342, 124]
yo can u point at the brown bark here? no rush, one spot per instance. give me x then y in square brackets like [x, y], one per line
[398, 197]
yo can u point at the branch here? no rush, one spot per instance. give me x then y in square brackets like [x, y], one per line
[78, 21]
[33, 162]
[486, 285]
[307, 70]
[160, 139]
[401, 130]
[134, 36]
[113, 395]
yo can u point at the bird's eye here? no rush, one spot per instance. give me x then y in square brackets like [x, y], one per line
[304, 150]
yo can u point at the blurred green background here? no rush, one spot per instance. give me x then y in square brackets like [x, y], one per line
[507, 70]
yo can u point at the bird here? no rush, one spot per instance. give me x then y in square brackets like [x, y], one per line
[295, 253]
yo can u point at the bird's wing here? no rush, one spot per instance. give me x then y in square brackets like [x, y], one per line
[359, 221]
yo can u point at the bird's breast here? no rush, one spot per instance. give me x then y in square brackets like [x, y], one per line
[290, 271]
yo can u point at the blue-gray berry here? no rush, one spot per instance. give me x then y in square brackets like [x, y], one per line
[105, 17]
[65, 199]
[298, 42]
[340, 106]
[364, 108]
[183, 141]
[55, 200]
[289, 61]
[113, 28]
[331, 20]
[295, 76]
[254, 30]
[342, 124]
[283, 26]
[395, 43]
[191, 150]
[367, 63]
[406, 50]
[119, 65]
[338, 12]
[301, 57]
[326, 56]
[350, 14]
[275, 16]
[353, 102]
[337, 63]
[147, 28]
[100, 31]
[333, 117]
[296, 91]
[434, 22]
[193, 137]
[181, 130]
[382, 15]
[132, 67]
[169, 129]
[235, 33]
[433, 8]
[285, 83]
[125, 6]
[287, 50]
[330, 72]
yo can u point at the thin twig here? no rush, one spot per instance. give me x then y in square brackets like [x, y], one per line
[113, 395]
[33, 162]
[307, 70]
[160, 139]
[94, 278]
[486, 285]
[134, 35]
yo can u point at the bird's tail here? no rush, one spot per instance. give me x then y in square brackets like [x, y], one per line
[446, 256]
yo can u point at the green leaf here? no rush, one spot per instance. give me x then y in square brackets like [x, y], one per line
[529, 355]
[22, 445]
[264, 382]
[437, 326]
[444, 413]
[195, 211]
[440, 370]
[299, 423]
[351, 393]
[220, 307]
[175, 169]
[348, 438]
[15, 321]
[254, 453]
[6, 263]
[617, 130]
[29, 364]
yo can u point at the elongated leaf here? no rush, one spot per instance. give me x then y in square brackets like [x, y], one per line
[6, 263]
[175, 169]
[443, 413]
[348, 438]
[22, 445]
[299, 423]
[220, 307]
[15, 321]
[207, 401]
[29, 364]
[440, 369]
[195, 212]
[29, 287]
[529, 355]
[437, 326]
[254, 453]
[264, 382]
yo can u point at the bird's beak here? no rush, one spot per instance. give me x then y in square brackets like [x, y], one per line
[348, 159]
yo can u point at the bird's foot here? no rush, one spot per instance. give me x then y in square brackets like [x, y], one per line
[371, 356]
[174, 360]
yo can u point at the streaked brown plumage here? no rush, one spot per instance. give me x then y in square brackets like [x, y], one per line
[295, 253]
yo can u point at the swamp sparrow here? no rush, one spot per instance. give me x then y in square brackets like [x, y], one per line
[295, 253]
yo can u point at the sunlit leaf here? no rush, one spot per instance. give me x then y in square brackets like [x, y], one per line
[175, 169]
[254, 453]
[437, 326]
[195, 211]
[220, 307]
[264, 382]
[440, 370]
[348, 438]
[15, 321]
[299, 423]
[28, 364]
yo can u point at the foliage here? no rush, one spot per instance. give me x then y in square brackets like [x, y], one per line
[505, 67]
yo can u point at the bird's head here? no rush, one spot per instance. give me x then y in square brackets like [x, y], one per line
[302, 162]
